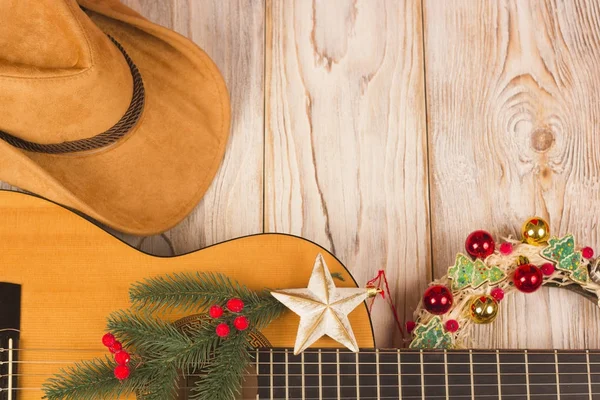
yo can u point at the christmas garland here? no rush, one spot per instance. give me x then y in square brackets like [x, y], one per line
[149, 354]
[475, 285]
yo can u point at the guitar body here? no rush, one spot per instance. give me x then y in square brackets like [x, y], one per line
[73, 275]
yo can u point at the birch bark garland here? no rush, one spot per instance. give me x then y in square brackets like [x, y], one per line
[486, 282]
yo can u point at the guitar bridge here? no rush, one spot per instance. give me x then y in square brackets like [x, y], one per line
[10, 325]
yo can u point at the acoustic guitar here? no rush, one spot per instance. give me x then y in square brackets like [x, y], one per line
[61, 276]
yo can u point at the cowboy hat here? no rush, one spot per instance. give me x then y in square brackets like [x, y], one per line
[108, 113]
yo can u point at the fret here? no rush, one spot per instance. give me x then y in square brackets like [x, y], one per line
[287, 373]
[485, 375]
[589, 375]
[410, 370]
[526, 374]
[433, 378]
[329, 374]
[556, 374]
[296, 376]
[10, 368]
[337, 361]
[279, 378]
[572, 373]
[367, 377]
[446, 374]
[399, 373]
[377, 372]
[349, 374]
[498, 373]
[542, 374]
[388, 375]
[594, 363]
[272, 372]
[459, 375]
[471, 373]
[320, 376]
[512, 369]
[263, 368]
[422, 375]
[311, 374]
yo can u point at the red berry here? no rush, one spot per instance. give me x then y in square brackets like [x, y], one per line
[235, 305]
[547, 269]
[506, 248]
[122, 372]
[222, 330]
[587, 252]
[116, 347]
[497, 294]
[480, 244]
[241, 323]
[452, 325]
[215, 311]
[410, 326]
[122, 357]
[108, 339]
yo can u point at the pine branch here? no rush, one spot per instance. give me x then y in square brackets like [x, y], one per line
[95, 380]
[223, 376]
[150, 336]
[262, 313]
[159, 340]
[187, 292]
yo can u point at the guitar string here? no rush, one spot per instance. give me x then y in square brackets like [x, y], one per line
[28, 375]
[364, 387]
[326, 351]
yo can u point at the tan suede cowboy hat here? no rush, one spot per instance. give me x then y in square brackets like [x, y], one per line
[108, 113]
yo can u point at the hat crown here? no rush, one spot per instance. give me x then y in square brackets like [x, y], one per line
[61, 78]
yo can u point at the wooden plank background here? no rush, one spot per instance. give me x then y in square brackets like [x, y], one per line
[388, 130]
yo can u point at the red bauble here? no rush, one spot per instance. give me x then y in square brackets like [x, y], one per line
[587, 252]
[122, 357]
[480, 244]
[215, 311]
[497, 294]
[410, 326]
[452, 325]
[528, 278]
[116, 347]
[437, 299]
[122, 372]
[108, 339]
[241, 323]
[235, 305]
[547, 269]
[222, 330]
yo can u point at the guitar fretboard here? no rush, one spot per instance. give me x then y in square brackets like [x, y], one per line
[408, 374]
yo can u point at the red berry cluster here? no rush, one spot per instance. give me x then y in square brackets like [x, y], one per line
[122, 357]
[240, 322]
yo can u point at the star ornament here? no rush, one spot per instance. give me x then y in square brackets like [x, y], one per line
[323, 308]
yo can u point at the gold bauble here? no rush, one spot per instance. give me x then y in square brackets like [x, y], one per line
[483, 309]
[536, 231]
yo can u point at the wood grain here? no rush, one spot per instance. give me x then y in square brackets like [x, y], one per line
[345, 157]
[232, 33]
[512, 118]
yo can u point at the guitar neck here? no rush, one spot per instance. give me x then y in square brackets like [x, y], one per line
[410, 374]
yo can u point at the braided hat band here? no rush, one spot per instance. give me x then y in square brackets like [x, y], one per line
[106, 138]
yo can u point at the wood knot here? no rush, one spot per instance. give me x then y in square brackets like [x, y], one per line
[542, 139]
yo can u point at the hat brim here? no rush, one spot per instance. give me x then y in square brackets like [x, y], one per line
[153, 177]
